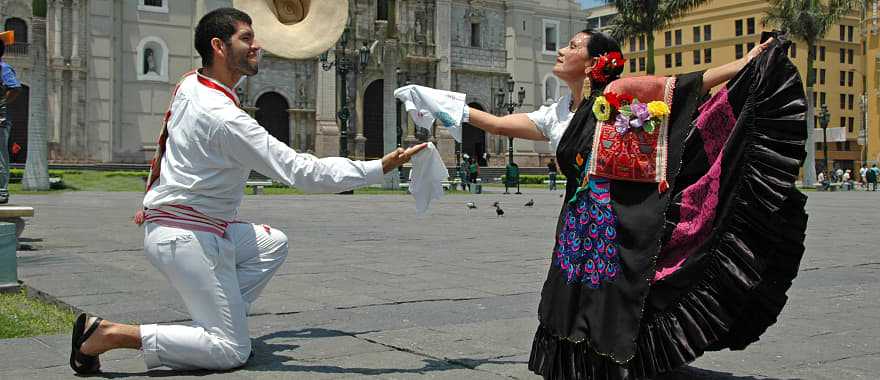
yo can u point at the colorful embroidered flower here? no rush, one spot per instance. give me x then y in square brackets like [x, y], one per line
[613, 100]
[621, 123]
[579, 159]
[640, 111]
[602, 109]
[658, 109]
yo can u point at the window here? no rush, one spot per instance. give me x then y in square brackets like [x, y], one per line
[738, 26]
[475, 35]
[849, 79]
[19, 27]
[668, 35]
[813, 51]
[793, 50]
[707, 32]
[843, 122]
[678, 37]
[822, 98]
[842, 55]
[750, 46]
[850, 97]
[641, 63]
[843, 101]
[382, 10]
[678, 59]
[696, 57]
[814, 97]
[849, 33]
[668, 60]
[849, 56]
[593, 23]
[821, 76]
[750, 25]
[632, 66]
[632, 44]
[707, 55]
[551, 36]
[822, 53]
[152, 60]
[642, 42]
[153, 6]
[842, 32]
[696, 34]
[852, 124]
[739, 51]
[551, 88]
[842, 78]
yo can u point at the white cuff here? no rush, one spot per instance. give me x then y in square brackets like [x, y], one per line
[375, 173]
[150, 345]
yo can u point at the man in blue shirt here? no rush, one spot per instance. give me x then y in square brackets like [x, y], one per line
[9, 89]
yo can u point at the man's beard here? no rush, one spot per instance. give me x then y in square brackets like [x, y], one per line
[241, 64]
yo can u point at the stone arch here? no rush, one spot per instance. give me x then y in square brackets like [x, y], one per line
[22, 9]
[272, 114]
[374, 119]
[152, 59]
[20, 27]
[550, 86]
[265, 90]
[473, 139]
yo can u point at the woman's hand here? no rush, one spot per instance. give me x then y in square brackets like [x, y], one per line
[757, 50]
[400, 156]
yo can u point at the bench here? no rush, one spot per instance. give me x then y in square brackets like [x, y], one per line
[15, 214]
[257, 186]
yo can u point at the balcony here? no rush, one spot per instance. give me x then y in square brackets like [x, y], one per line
[472, 57]
[19, 49]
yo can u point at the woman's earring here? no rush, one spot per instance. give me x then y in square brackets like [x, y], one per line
[585, 90]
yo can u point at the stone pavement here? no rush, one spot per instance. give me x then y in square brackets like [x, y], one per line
[372, 290]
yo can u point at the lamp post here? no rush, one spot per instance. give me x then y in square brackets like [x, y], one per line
[398, 72]
[505, 100]
[343, 63]
[823, 121]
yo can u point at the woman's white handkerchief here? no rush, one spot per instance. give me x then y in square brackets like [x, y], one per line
[426, 104]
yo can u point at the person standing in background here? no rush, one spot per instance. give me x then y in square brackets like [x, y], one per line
[9, 90]
[551, 169]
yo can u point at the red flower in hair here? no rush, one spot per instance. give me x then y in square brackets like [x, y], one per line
[616, 59]
[625, 98]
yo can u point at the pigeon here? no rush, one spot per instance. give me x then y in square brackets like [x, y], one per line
[530, 203]
[471, 205]
[499, 211]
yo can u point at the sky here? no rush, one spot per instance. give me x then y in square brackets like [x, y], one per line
[591, 3]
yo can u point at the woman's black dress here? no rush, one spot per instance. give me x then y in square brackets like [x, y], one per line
[702, 266]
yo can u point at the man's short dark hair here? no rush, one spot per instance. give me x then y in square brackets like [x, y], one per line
[219, 23]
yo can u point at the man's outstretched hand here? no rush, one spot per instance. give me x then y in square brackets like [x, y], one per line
[400, 156]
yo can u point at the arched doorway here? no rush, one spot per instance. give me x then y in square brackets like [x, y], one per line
[374, 121]
[272, 115]
[20, 27]
[473, 139]
[18, 117]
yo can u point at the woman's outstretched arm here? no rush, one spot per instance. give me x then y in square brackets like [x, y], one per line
[721, 74]
[517, 125]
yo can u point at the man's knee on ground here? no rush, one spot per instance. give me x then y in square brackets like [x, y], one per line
[231, 354]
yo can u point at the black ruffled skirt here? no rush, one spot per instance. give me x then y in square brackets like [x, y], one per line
[729, 284]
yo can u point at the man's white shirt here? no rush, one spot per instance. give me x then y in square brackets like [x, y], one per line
[212, 146]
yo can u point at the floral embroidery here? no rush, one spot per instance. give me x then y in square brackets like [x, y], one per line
[586, 248]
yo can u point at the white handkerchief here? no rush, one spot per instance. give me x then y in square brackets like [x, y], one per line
[426, 104]
[427, 176]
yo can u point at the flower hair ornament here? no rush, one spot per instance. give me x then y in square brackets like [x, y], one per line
[607, 65]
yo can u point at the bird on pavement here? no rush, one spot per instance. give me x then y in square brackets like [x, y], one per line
[471, 205]
[530, 203]
[498, 210]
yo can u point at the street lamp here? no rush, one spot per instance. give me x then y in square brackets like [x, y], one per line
[823, 121]
[505, 100]
[343, 63]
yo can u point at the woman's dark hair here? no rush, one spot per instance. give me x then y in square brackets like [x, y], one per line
[599, 44]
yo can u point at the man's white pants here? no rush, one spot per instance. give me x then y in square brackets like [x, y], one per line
[218, 278]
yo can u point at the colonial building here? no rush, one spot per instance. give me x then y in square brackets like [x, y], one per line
[112, 66]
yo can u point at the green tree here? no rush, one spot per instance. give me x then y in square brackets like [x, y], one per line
[808, 21]
[644, 17]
